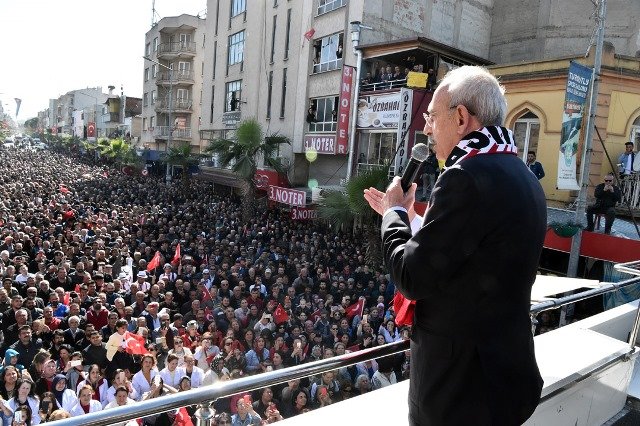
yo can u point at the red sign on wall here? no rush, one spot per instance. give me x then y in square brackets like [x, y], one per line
[292, 197]
[264, 178]
[342, 140]
[91, 130]
[322, 144]
[303, 213]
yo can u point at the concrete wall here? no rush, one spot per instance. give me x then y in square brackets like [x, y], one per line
[530, 30]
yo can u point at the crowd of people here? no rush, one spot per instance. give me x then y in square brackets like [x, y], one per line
[119, 288]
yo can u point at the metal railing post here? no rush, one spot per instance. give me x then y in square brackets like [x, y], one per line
[205, 414]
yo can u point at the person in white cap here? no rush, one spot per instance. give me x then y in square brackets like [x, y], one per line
[143, 284]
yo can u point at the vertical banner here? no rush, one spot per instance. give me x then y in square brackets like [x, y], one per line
[91, 131]
[404, 122]
[344, 109]
[578, 83]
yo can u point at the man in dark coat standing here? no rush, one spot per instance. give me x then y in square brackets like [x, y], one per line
[470, 263]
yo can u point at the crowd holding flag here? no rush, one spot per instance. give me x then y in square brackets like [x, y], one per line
[154, 263]
[355, 309]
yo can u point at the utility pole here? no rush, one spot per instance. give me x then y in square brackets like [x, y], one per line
[576, 242]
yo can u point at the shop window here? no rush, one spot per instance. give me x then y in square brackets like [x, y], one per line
[327, 53]
[375, 149]
[322, 114]
[526, 132]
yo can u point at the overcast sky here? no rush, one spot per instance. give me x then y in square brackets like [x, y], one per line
[50, 47]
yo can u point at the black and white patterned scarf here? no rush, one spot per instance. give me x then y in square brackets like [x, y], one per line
[488, 140]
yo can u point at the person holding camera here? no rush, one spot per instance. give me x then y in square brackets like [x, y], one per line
[607, 195]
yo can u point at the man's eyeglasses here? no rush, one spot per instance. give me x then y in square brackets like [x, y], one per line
[608, 180]
[430, 116]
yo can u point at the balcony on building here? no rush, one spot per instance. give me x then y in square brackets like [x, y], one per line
[178, 133]
[176, 49]
[179, 77]
[177, 105]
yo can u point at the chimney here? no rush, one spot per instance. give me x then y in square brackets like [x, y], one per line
[111, 89]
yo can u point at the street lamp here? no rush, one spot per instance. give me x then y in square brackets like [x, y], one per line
[356, 26]
[168, 171]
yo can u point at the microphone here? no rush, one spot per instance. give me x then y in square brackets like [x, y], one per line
[419, 153]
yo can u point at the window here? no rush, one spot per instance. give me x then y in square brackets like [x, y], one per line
[376, 148]
[635, 134]
[185, 40]
[283, 96]
[525, 132]
[144, 123]
[182, 95]
[286, 36]
[238, 7]
[145, 99]
[152, 121]
[325, 6]
[236, 48]
[155, 44]
[213, 92]
[146, 74]
[153, 97]
[327, 53]
[147, 49]
[217, 15]
[273, 37]
[204, 37]
[201, 69]
[154, 70]
[184, 69]
[233, 96]
[269, 92]
[322, 115]
[275, 3]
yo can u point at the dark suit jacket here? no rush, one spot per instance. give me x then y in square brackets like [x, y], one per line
[471, 267]
[78, 342]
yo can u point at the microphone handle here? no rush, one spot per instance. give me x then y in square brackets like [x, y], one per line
[410, 173]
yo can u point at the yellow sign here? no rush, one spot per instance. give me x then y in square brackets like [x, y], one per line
[417, 79]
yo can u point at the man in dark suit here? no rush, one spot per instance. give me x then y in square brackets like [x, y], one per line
[75, 336]
[470, 264]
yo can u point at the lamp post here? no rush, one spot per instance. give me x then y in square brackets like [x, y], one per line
[356, 26]
[168, 170]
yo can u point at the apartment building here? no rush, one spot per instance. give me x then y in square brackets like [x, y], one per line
[172, 90]
[73, 112]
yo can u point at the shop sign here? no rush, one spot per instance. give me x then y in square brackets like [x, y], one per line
[322, 144]
[379, 111]
[344, 109]
[292, 197]
[303, 213]
[404, 123]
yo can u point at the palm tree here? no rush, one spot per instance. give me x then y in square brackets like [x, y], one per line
[348, 208]
[242, 154]
[182, 156]
[119, 151]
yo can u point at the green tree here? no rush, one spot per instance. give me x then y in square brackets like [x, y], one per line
[184, 157]
[31, 123]
[242, 154]
[119, 151]
[349, 209]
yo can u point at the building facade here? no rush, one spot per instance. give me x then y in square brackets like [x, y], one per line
[172, 90]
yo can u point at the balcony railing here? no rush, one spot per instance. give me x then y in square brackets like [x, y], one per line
[213, 134]
[206, 395]
[163, 132]
[176, 104]
[176, 48]
[179, 76]
[630, 187]
[383, 85]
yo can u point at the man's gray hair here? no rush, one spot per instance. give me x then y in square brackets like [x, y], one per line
[478, 90]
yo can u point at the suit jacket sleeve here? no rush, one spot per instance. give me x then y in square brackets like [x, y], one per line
[448, 236]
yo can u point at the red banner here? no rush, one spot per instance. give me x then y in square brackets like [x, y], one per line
[303, 213]
[342, 140]
[264, 178]
[91, 130]
[292, 197]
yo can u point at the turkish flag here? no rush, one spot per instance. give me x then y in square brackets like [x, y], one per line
[91, 130]
[354, 348]
[280, 315]
[135, 344]
[205, 295]
[403, 308]
[309, 34]
[208, 314]
[315, 315]
[154, 263]
[176, 257]
[182, 418]
[67, 298]
[355, 309]
[64, 189]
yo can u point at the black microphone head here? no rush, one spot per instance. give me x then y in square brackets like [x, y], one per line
[420, 152]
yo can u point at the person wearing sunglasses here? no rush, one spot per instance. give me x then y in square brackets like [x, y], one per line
[607, 195]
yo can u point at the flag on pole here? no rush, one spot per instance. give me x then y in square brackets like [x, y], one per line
[355, 309]
[154, 263]
[18, 103]
[134, 344]
[182, 418]
[280, 315]
[176, 257]
[309, 34]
